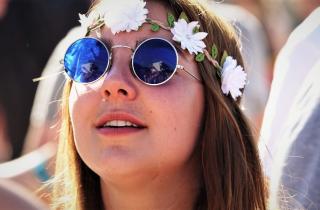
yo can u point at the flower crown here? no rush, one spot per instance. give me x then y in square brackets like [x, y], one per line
[130, 15]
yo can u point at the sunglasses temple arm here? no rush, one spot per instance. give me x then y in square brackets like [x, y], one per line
[182, 68]
[47, 76]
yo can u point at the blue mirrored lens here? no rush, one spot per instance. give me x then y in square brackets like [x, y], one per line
[86, 60]
[155, 61]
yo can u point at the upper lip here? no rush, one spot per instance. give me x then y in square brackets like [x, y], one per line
[119, 116]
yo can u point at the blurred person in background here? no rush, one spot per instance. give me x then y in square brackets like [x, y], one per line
[32, 170]
[281, 17]
[45, 115]
[296, 169]
[300, 9]
[5, 147]
[290, 140]
[35, 167]
[29, 30]
[15, 197]
[277, 21]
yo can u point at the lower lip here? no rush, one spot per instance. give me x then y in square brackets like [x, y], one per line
[119, 131]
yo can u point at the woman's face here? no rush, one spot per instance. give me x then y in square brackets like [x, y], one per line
[169, 116]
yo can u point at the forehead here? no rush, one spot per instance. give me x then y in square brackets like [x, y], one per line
[156, 11]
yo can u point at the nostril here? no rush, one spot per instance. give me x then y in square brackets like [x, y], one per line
[123, 92]
[107, 93]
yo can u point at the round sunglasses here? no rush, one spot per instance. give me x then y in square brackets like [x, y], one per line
[153, 62]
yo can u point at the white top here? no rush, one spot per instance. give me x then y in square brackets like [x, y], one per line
[299, 55]
[295, 172]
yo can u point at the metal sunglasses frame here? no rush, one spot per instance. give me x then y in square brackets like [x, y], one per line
[132, 58]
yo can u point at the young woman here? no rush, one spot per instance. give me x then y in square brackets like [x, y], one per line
[150, 113]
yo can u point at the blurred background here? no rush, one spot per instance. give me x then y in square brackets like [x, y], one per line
[29, 32]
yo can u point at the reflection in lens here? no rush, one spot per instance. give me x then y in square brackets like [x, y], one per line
[155, 61]
[86, 60]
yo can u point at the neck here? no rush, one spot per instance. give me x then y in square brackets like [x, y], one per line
[173, 191]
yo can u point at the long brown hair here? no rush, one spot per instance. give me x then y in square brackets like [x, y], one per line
[231, 172]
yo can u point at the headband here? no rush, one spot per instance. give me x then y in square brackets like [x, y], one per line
[126, 16]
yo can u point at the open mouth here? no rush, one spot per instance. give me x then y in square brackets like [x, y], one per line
[115, 124]
[120, 124]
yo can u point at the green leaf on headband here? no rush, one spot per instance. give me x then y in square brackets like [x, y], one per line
[170, 19]
[196, 29]
[155, 27]
[223, 59]
[200, 57]
[214, 51]
[184, 16]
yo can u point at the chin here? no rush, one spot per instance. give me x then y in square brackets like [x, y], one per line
[118, 164]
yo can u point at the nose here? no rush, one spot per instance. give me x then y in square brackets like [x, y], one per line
[119, 84]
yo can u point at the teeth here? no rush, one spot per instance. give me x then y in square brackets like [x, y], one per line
[120, 123]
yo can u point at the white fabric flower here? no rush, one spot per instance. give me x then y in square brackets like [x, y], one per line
[233, 78]
[183, 32]
[87, 21]
[124, 15]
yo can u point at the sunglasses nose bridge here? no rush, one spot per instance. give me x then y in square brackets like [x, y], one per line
[122, 46]
[119, 73]
[119, 57]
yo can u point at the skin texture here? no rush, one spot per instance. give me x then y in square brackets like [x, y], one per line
[144, 169]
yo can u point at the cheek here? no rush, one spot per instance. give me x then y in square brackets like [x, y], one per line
[178, 116]
[83, 103]
[80, 103]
